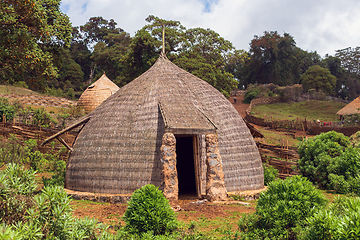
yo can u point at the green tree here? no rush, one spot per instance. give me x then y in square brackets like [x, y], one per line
[111, 57]
[336, 69]
[108, 43]
[318, 78]
[31, 34]
[273, 59]
[350, 62]
[204, 53]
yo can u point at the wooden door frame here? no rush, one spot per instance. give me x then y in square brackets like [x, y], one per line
[196, 159]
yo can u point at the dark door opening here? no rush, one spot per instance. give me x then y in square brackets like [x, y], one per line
[185, 165]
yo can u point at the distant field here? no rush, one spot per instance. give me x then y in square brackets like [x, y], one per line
[322, 110]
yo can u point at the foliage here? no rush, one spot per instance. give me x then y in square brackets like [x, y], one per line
[44, 216]
[7, 110]
[339, 221]
[251, 93]
[317, 153]
[355, 139]
[344, 172]
[270, 174]
[42, 118]
[17, 185]
[58, 177]
[285, 204]
[149, 210]
[32, 33]
[11, 150]
[27, 153]
[318, 78]
[273, 59]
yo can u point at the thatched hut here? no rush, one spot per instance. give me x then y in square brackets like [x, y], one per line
[352, 108]
[168, 128]
[96, 93]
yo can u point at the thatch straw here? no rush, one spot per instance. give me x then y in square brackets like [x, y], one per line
[118, 150]
[351, 108]
[96, 93]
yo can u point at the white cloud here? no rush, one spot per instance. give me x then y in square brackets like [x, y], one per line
[323, 25]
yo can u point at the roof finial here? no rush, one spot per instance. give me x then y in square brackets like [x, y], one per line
[163, 39]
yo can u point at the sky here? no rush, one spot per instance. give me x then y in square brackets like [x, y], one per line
[316, 25]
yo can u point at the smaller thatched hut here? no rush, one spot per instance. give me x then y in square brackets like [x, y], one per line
[96, 93]
[351, 108]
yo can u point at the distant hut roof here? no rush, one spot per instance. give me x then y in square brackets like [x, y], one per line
[96, 93]
[118, 149]
[351, 108]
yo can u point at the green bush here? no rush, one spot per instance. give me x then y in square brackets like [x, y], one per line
[355, 139]
[149, 210]
[43, 216]
[251, 93]
[284, 205]
[317, 153]
[340, 220]
[7, 110]
[42, 118]
[17, 185]
[11, 150]
[270, 174]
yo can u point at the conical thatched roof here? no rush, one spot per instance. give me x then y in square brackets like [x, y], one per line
[351, 108]
[96, 93]
[118, 149]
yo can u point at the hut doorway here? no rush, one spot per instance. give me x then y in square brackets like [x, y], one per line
[187, 165]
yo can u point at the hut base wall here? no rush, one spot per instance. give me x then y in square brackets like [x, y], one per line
[215, 184]
[170, 185]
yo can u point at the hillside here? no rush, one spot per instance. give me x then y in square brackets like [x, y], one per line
[31, 98]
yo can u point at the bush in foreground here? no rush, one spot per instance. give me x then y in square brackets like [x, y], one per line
[270, 174]
[285, 204]
[317, 153]
[340, 220]
[46, 215]
[149, 211]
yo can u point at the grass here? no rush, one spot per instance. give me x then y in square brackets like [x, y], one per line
[311, 110]
[278, 138]
[5, 89]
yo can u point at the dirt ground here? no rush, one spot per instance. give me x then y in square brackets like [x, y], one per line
[188, 209]
[239, 105]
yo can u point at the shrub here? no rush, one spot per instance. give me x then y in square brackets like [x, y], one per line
[148, 210]
[42, 118]
[251, 93]
[11, 150]
[270, 174]
[284, 205]
[339, 221]
[7, 110]
[17, 185]
[317, 153]
[355, 139]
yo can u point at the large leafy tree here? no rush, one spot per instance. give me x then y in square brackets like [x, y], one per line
[204, 53]
[32, 33]
[110, 57]
[109, 44]
[318, 78]
[350, 80]
[273, 59]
